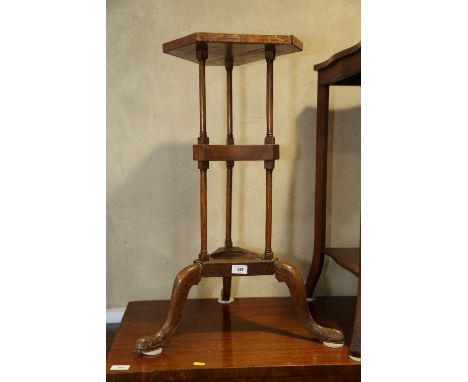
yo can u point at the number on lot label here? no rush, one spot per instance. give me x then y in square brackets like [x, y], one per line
[239, 269]
[120, 367]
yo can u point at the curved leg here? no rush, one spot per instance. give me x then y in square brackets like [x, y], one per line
[355, 347]
[289, 274]
[185, 279]
[314, 272]
[321, 149]
[226, 291]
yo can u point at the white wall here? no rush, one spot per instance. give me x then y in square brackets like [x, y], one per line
[152, 122]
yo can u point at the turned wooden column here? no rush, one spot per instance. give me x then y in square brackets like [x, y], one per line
[202, 55]
[269, 139]
[226, 291]
[229, 141]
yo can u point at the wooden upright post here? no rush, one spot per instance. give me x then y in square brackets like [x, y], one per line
[226, 291]
[320, 189]
[229, 141]
[269, 139]
[202, 55]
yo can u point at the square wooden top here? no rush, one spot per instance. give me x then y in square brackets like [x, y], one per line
[243, 48]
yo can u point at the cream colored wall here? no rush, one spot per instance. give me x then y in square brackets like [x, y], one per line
[152, 121]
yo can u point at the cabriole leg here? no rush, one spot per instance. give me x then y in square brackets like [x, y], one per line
[355, 347]
[186, 278]
[285, 272]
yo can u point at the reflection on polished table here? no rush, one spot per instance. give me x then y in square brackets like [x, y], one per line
[251, 339]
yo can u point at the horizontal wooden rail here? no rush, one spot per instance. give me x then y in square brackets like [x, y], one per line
[339, 71]
[235, 152]
[348, 258]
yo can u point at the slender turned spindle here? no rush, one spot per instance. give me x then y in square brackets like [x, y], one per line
[269, 57]
[269, 139]
[268, 251]
[229, 164]
[203, 216]
[202, 55]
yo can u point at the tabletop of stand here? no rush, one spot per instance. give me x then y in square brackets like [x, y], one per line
[242, 48]
[343, 68]
[250, 339]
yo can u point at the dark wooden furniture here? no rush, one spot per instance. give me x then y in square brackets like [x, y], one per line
[111, 330]
[227, 261]
[342, 69]
[254, 339]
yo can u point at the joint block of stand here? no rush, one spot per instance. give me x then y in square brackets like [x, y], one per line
[268, 255]
[228, 64]
[269, 165]
[203, 140]
[235, 152]
[203, 256]
[203, 165]
[269, 140]
[202, 51]
[270, 52]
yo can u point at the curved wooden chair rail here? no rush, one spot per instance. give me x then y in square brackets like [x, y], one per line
[339, 56]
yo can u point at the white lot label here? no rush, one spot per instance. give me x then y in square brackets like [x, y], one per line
[239, 269]
[120, 367]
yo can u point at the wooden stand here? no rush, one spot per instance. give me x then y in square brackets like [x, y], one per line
[231, 50]
[342, 69]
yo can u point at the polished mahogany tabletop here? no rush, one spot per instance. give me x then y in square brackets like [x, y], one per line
[250, 339]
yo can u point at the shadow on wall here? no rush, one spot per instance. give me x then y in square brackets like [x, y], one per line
[343, 143]
[138, 211]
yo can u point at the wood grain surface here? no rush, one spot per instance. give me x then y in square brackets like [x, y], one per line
[348, 258]
[241, 48]
[251, 339]
[235, 152]
[222, 260]
[339, 56]
[343, 68]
